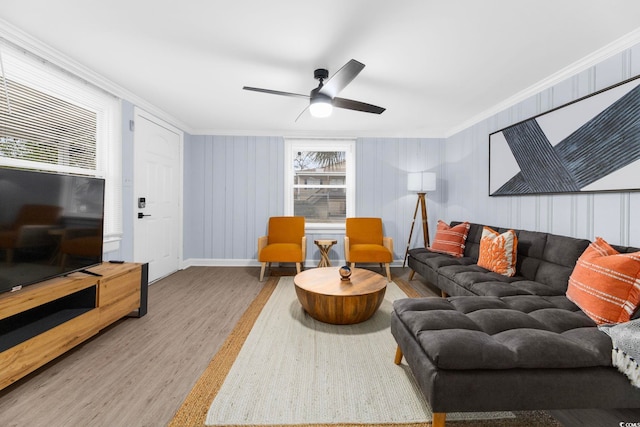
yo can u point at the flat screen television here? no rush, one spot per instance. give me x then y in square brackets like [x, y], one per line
[50, 225]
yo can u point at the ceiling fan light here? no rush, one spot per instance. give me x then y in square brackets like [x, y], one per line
[320, 107]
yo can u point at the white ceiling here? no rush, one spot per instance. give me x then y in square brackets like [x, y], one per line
[436, 65]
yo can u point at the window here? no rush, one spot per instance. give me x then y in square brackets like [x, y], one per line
[320, 181]
[53, 121]
[38, 128]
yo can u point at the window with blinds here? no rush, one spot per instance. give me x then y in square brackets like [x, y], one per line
[51, 120]
[36, 127]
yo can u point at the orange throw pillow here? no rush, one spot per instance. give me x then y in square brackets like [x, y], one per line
[605, 284]
[450, 240]
[498, 252]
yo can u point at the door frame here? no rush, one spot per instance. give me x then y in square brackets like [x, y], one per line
[138, 113]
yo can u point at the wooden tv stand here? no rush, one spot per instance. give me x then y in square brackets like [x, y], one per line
[42, 321]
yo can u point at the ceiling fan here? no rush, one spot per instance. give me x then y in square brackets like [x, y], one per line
[323, 98]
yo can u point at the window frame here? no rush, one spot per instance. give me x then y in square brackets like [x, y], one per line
[41, 75]
[348, 145]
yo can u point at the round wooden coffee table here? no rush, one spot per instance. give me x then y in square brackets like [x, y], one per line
[328, 299]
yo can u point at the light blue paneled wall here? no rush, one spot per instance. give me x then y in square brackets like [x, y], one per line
[382, 165]
[613, 216]
[233, 184]
[128, 208]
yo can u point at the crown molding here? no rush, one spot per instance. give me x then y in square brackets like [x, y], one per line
[12, 35]
[613, 48]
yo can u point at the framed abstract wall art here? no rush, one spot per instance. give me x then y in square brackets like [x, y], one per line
[589, 145]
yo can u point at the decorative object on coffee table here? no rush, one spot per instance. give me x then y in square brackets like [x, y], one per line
[327, 298]
[345, 273]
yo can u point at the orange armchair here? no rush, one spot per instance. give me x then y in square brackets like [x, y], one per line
[364, 242]
[285, 242]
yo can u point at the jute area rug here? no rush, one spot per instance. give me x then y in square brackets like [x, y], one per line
[281, 367]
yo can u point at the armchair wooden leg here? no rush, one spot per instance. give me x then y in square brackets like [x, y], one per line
[298, 267]
[353, 265]
[413, 272]
[439, 419]
[388, 267]
[264, 265]
[398, 358]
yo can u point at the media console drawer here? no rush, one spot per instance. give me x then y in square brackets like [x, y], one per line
[119, 295]
[118, 309]
[114, 288]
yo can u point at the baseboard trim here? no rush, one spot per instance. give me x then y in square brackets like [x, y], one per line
[218, 262]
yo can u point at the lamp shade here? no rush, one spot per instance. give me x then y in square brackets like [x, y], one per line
[421, 182]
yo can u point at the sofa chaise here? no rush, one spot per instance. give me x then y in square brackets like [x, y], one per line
[498, 343]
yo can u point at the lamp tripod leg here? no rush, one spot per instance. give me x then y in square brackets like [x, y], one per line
[413, 223]
[425, 227]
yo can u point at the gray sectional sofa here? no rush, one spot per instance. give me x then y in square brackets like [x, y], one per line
[507, 343]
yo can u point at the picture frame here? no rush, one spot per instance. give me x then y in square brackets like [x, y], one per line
[589, 145]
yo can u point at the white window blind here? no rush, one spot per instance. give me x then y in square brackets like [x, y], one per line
[51, 120]
[39, 128]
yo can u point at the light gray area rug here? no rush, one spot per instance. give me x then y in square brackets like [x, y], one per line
[293, 369]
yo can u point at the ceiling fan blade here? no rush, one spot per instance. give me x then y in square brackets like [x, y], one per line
[350, 104]
[302, 112]
[276, 92]
[341, 78]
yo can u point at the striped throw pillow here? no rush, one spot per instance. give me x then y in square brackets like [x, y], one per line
[450, 240]
[498, 252]
[605, 284]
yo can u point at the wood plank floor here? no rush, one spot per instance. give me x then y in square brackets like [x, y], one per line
[138, 371]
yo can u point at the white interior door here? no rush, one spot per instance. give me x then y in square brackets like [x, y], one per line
[157, 181]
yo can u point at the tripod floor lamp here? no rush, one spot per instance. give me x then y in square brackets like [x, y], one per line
[421, 183]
